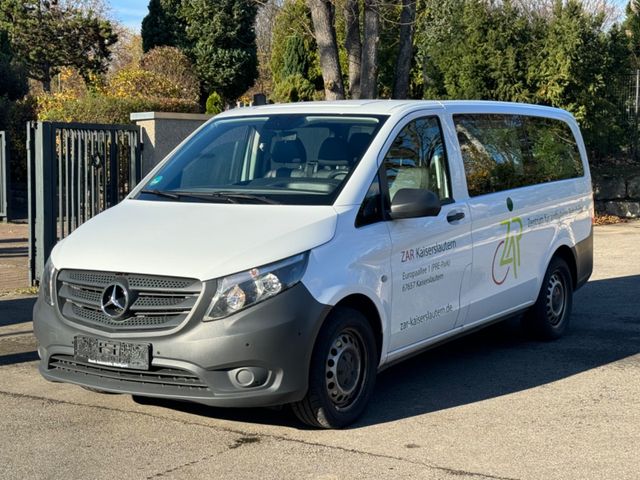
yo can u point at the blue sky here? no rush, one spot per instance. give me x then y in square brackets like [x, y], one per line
[129, 12]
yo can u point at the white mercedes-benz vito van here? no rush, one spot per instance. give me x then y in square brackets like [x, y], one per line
[284, 254]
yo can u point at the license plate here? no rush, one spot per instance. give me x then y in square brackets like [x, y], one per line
[112, 353]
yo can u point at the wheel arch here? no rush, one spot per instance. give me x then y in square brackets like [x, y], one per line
[367, 307]
[568, 255]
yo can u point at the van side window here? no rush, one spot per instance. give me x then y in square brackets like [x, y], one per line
[554, 153]
[417, 159]
[501, 152]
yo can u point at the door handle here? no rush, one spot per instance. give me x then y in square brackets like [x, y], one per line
[455, 217]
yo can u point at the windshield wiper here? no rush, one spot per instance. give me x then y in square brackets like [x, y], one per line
[179, 195]
[230, 197]
[245, 196]
[161, 193]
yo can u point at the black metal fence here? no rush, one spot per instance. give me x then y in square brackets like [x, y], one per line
[75, 171]
[4, 177]
[625, 89]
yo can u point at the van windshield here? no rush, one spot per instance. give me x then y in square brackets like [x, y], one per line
[293, 159]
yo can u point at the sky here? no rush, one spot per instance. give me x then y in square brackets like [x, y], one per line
[129, 12]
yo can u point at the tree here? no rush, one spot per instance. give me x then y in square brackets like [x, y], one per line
[293, 25]
[222, 44]
[294, 88]
[295, 57]
[163, 25]
[47, 36]
[353, 45]
[369, 79]
[174, 66]
[13, 82]
[127, 51]
[631, 27]
[405, 49]
[322, 14]
[265, 27]
[573, 68]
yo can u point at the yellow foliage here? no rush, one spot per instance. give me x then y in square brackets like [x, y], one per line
[69, 82]
[137, 83]
[53, 102]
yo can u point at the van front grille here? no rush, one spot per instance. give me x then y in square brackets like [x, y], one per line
[154, 302]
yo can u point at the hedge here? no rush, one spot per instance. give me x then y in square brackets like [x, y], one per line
[98, 108]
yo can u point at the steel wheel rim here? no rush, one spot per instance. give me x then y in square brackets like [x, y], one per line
[556, 299]
[345, 368]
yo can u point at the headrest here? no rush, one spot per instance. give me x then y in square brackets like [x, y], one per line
[288, 151]
[333, 152]
[358, 143]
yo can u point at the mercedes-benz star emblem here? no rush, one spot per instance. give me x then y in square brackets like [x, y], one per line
[115, 300]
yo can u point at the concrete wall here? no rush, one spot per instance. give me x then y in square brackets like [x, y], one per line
[162, 132]
[617, 194]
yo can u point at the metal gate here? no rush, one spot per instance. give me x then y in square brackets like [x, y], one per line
[4, 176]
[75, 172]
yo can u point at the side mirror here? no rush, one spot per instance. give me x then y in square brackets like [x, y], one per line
[414, 203]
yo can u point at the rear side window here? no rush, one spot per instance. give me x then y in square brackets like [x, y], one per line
[501, 152]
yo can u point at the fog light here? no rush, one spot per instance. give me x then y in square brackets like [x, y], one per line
[246, 377]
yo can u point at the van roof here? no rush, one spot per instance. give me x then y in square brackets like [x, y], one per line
[390, 107]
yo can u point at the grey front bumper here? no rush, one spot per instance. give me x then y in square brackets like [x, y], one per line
[204, 362]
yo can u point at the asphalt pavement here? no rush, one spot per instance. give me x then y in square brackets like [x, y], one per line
[493, 405]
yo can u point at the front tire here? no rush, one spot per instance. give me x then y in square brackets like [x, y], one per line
[342, 372]
[548, 318]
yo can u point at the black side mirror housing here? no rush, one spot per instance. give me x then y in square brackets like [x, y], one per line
[414, 203]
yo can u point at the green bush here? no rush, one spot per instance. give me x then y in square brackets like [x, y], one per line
[294, 88]
[106, 109]
[215, 105]
[174, 66]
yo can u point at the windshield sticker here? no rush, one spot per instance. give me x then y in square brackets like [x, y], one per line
[155, 181]
[506, 258]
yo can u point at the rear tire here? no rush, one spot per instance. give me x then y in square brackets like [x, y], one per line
[548, 318]
[342, 373]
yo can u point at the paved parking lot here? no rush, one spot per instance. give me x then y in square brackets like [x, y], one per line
[493, 405]
[14, 250]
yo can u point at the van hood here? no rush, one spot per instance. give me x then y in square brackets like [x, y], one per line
[195, 240]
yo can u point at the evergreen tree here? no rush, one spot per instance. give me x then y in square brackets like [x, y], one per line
[222, 44]
[495, 51]
[631, 28]
[573, 68]
[163, 25]
[13, 82]
[47, 36]
[294, 21]
[569, 71]
[295, 57]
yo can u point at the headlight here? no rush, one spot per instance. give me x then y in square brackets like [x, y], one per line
[242, 290]
[47, 283]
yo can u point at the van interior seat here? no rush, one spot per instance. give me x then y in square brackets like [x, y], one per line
[358, 143]
[409, 175]
[333, 156]
[288, 158]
